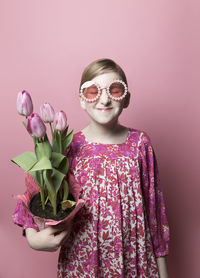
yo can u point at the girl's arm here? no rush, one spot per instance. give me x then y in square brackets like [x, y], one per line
[49, 239]
[162, 267]
[154, 202]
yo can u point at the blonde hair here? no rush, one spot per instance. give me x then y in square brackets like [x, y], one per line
[99, 67]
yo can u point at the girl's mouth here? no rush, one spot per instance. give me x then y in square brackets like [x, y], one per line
[104, 109]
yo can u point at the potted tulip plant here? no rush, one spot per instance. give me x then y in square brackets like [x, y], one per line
[52, 194]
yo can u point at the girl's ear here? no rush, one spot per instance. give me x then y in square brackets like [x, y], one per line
[82, 103]
[127, 100]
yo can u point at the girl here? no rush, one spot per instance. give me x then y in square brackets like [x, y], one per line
[122, 231]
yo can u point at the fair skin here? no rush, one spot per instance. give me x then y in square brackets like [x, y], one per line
[104, 113]
[103, 128]
[49, 239]
[162, 267]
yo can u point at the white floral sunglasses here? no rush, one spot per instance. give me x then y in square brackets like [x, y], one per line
[90, 91]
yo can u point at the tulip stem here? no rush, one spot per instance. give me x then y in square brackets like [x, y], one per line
[42, 198]
[42, 190]
[54, 208]
[60, 143]
[51, 129]
[24, 123]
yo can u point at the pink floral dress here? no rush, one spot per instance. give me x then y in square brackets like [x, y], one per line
[122, 228]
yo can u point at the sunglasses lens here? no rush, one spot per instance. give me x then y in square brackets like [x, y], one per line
[117, 89]
[90, 92]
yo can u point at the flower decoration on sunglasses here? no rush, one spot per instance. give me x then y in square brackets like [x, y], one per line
[90, 91]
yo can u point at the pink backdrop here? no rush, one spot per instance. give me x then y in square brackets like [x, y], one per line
[44, 47]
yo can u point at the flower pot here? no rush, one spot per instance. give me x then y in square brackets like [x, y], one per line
[32, 189]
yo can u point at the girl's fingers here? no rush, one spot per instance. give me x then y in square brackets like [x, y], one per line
[60, 238]
[60, 235]
[54, 230]
[58, 232]
[59, 228]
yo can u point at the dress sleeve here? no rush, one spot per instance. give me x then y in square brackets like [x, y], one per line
[153, 197]
[22, 218]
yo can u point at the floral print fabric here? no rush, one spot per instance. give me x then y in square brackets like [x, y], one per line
[22, 218]
[122, 228]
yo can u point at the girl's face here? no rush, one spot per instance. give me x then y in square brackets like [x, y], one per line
[105, 110]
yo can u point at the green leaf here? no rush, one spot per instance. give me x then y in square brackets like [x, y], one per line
[57, 179]
[67, 141]
[55, 142]
[43, 149]
[64, 166]
[37, 152]
[66, 190]
[56, 159]
[64, 132]
[25, 160]
[43, 164]
[49, 182]
[37, 177]
[50, 187]
[67, 204]
[47, 146]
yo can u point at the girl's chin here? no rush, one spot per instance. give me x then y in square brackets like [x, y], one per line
[105, 122]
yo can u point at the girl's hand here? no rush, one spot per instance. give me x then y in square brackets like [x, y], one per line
[162, 267]
[49, 239]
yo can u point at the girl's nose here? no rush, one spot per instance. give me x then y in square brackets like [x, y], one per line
[104, 97]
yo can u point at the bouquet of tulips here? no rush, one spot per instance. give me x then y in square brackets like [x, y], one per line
[48, 165]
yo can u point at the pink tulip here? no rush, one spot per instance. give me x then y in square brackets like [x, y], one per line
[24, 103]
[47, 113]
[35, 126]
[60, 121]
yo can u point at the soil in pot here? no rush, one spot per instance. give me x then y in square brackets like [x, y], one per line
[36, 208]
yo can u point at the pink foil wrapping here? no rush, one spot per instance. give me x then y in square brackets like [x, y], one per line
[32, 188]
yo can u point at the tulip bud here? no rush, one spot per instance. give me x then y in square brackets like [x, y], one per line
[60, 121]
[24, 103]
[47, 113]
[35, 126]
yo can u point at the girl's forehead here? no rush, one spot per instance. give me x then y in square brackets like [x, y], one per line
[104, 80]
